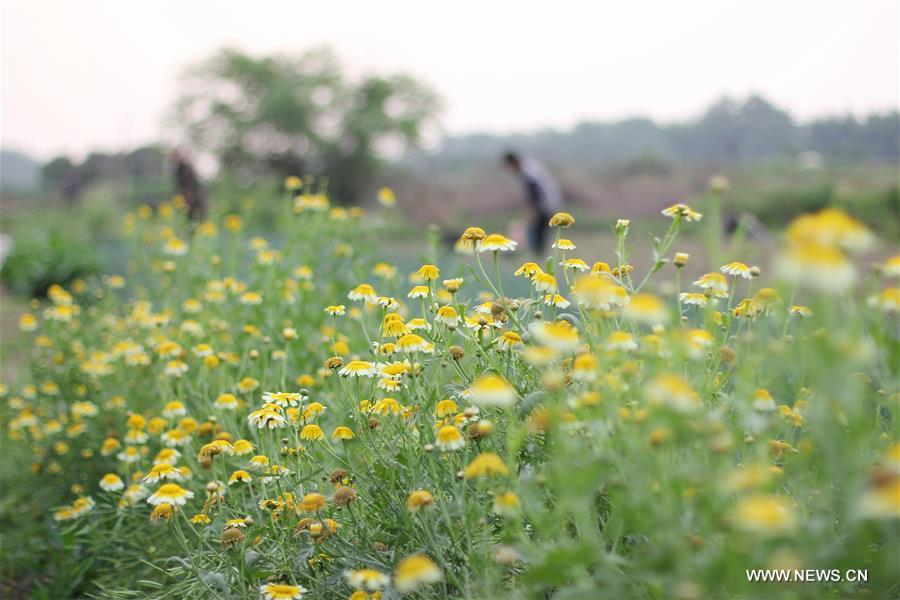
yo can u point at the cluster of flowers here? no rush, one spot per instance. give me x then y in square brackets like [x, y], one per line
[465, 395]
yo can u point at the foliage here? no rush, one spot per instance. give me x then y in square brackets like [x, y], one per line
[599, 435]
[729, 132]
[301, 114]
[47, 251]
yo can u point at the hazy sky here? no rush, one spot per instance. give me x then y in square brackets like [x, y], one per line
[84, 75]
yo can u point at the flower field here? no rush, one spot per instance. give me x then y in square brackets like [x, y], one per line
[239, 417]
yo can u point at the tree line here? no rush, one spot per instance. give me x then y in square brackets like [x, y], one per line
[728, 133]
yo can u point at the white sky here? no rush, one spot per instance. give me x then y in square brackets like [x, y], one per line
[83, 75]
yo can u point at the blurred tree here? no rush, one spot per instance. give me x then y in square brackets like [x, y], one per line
[729, 132]
[146, 163]
[54, 173]
[298, 115]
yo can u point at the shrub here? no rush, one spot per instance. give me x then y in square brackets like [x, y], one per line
[46, 254]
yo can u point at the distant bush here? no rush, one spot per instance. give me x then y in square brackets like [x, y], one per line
[46, 255]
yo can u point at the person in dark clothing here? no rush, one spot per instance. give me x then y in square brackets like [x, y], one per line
[542, 193]
[188, 185]
[71, 187]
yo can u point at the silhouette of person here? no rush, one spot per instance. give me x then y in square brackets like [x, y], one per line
[542, 193]
[188, 185]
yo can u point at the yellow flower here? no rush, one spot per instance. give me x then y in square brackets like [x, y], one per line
[247, 384]
[388, 303]
[239, 476]
[830, 227]
[496, 242]
[585, 367]
[563, 244]
[163, 471]
[111, 483]
[392, 325]
[312, 432]
[599, 268]
[671, 390]
[282, 591]
[167, 456]
[888, 300]
[364, 292]
[452, 285]
[528, 270]
[428, 273]
[269, 416]
[769, 515]
[447, 315]
[562, 219]
[369, 580]
[800, 311]
[387, 406]
[110, 445]
[386, 197]
[171, 493]
[419, 291]
[414, 572]
[715, 283]
[414, 343]
[556, 300]
[418, 499]
[736, 269]
[473, 234]
[162, 512]
[201, 519]
[694, 298]
[358, 368]
[646, 308]
[509, 340]
[882, 498]
[560, 336]
[822, 268]
[449, 438]
[682, 210]
[283, 399]
[27, 322]
[620, 340]
[242, 447]
[485, 464]
[544, 282]
[342, 433]
[176, 247]
[576, 264]
[492, 390]
[174, 409]
[313, 410]
[234, 223]
[762, 400]
[226, 401]
[600, 293]
[891, 266]
[312, 502]
[506, 504]
[251, 298]
[259, 462]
